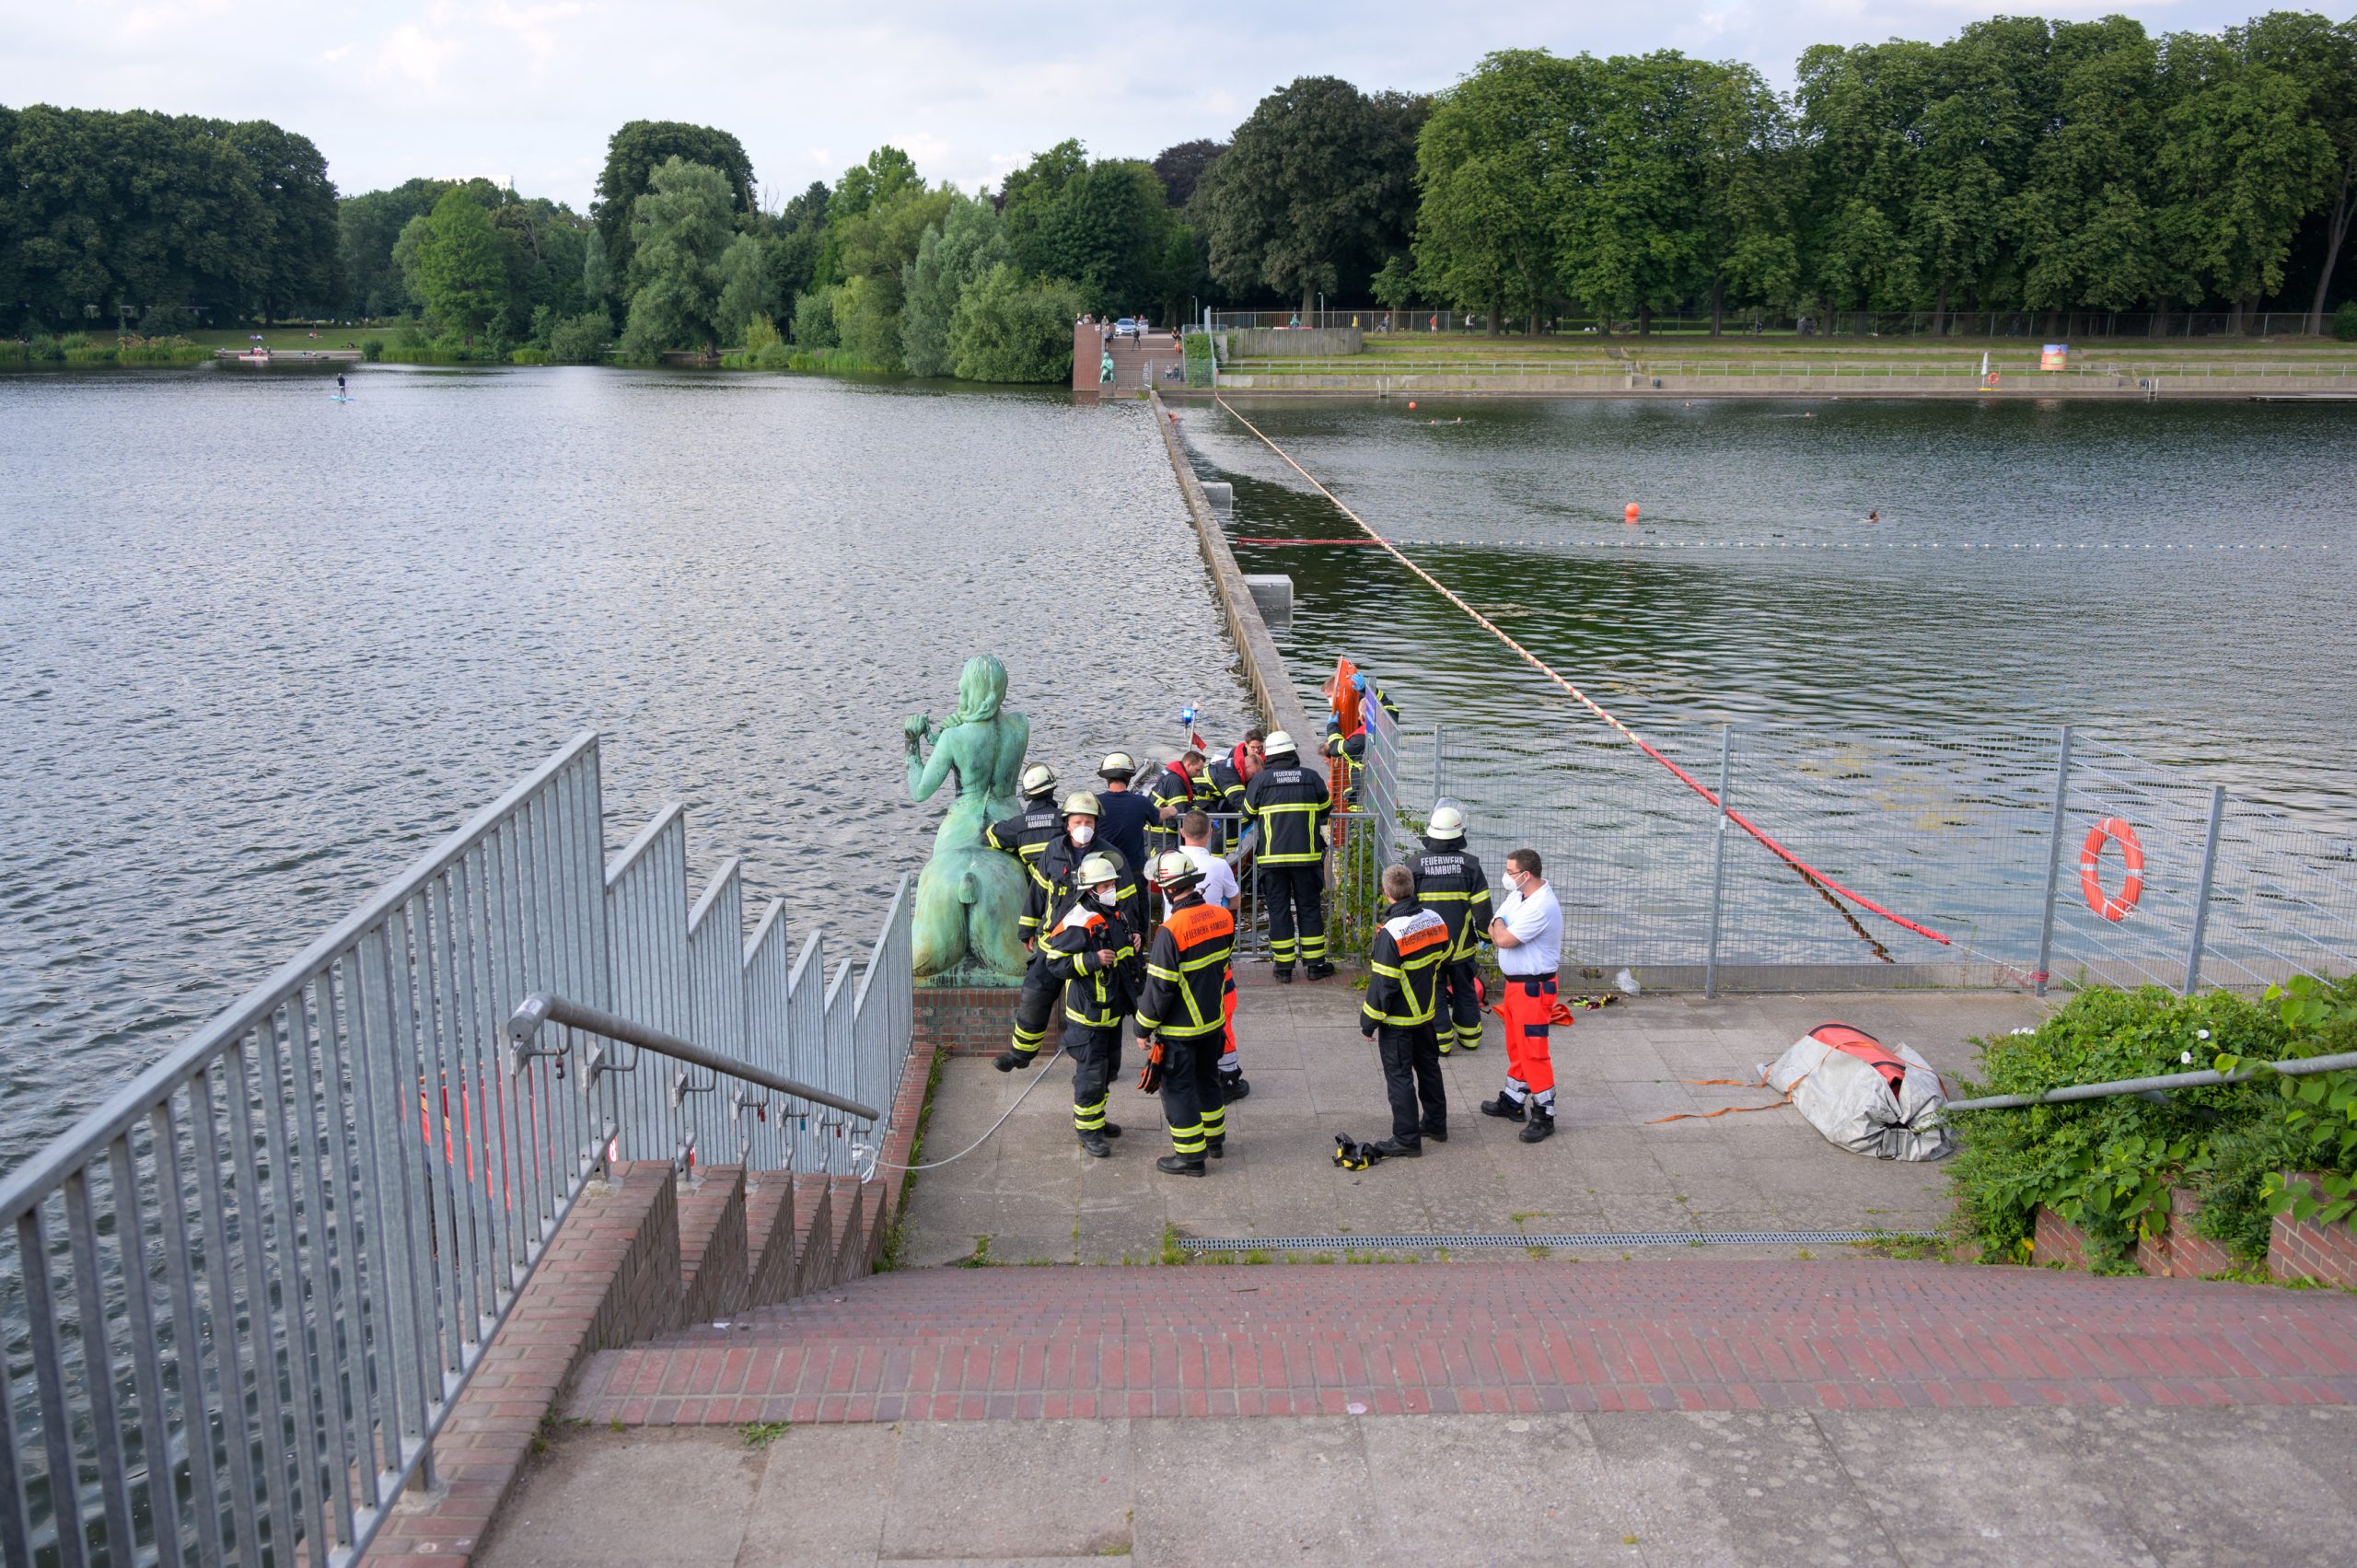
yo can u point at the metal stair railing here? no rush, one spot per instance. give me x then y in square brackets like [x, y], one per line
[239, 1299]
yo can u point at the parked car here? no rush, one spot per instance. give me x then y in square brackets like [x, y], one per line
[1129, 327]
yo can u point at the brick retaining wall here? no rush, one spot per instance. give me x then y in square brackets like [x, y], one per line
[964, 1020]
[2303, 1250]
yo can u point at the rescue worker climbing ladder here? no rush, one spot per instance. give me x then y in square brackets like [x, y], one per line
[1290, 806]
[1181, 1018]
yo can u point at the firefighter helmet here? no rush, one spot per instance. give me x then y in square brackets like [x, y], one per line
[1038, 779]
[1278, 744]
[1094, 871]
[1117, 765]
[1174, 872]
[1080, 803]
[1446, 822]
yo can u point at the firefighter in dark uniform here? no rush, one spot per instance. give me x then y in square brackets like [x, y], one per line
[1411, 946]
[1180, 788]
[1028, 832]
[1053, 890]
[1181, 1019]
[1290, 806]
[1092, 950]
[1451, 883]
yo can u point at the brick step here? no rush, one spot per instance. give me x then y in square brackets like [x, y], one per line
[713, 1274]
[769, 1239]
[1227, 1340]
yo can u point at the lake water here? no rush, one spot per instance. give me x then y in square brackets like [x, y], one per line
[258, 649]
[2176, 580]
[2139, 602]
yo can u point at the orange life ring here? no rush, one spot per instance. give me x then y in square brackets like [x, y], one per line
[2131, 851]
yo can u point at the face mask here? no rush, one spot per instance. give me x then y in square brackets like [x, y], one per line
[1083, 834]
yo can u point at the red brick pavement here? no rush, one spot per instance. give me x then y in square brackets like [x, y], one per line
[1270, 1340]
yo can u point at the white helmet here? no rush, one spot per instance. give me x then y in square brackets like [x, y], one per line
[1094, 871]
[1038, 779]
[1081, 804]
[1278, 744]
[1117, 765]
[1446, 822]
[1175, 872]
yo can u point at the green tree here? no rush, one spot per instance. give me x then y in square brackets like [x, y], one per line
[797, 236]
[2322, 59]
[1744, 173]
[2084, 216]
[1316, 192]
[1491, 162]
[637, 151]
[1631, 238]
[814, 318]
[967, 243]
[2241, 162]
[1103, 224]
[368, 226]
[596, 271]
[1977, 132]
[1180, 169]
[580, 340]
[744, 287]
[1011, 328]
[679, 230]
[1859, 110]
[302, 247]
[455, 269]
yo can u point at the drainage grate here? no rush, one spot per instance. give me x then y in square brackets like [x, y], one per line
[1608, 1238]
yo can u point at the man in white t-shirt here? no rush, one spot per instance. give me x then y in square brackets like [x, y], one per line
[1218, 887]
[1528, 932]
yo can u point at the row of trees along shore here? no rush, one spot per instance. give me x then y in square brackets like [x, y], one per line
[2021, 166]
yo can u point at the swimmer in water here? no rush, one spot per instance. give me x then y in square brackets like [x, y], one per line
[1874, 516]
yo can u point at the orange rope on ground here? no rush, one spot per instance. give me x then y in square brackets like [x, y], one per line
[1688, 780]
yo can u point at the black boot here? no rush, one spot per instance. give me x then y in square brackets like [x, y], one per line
[1393, 1149]
[1233, 1087]
[1542, 1125]
[1438, 1134]
[1008, 1060]
[1510, 1109]
[1180, 1165]
[1319, 969]
[1282, 974]
[1111, 1129]
[1217, 1148]
[1093, 1141]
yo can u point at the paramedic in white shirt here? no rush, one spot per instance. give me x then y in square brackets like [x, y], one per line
[1528, 932]
[1218, 887]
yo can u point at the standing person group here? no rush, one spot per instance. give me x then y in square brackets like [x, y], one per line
[1097, 956]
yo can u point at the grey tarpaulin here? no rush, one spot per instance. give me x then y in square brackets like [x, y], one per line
[1831, 1076]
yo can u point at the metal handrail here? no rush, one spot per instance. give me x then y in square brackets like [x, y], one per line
[542, 1007]
[2299, 1067]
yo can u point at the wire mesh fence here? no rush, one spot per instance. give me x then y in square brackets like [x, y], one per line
[1896, 854]
[1435, 321]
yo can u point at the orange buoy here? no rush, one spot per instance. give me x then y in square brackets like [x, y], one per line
[1412, 405]
[1628, 513]
[2109, 829]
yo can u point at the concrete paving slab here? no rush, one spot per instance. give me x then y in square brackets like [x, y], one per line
[1710, 1488]
[1611, 1163]
[1212, 1494]
[963, 1491]
[824, 1498]
[676, 1499]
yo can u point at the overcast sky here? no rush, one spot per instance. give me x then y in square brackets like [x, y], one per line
[529, 89]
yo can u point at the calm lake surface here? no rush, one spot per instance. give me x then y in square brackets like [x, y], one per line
[2238, 657]
[258, 649]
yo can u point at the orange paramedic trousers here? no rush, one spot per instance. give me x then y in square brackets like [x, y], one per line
[1524, 1011]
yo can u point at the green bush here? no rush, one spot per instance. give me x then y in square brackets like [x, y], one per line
[168, 321]
[1012, 328]
[528, 354]
[2344, 322]
[814, 320]
[1199, 358]
[372, 349]
[2107, 1165]
[45, 350]
[580, 340]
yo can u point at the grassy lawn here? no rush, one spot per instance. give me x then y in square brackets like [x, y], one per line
[1742, 354]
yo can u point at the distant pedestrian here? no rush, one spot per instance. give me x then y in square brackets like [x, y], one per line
[1530, 936]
